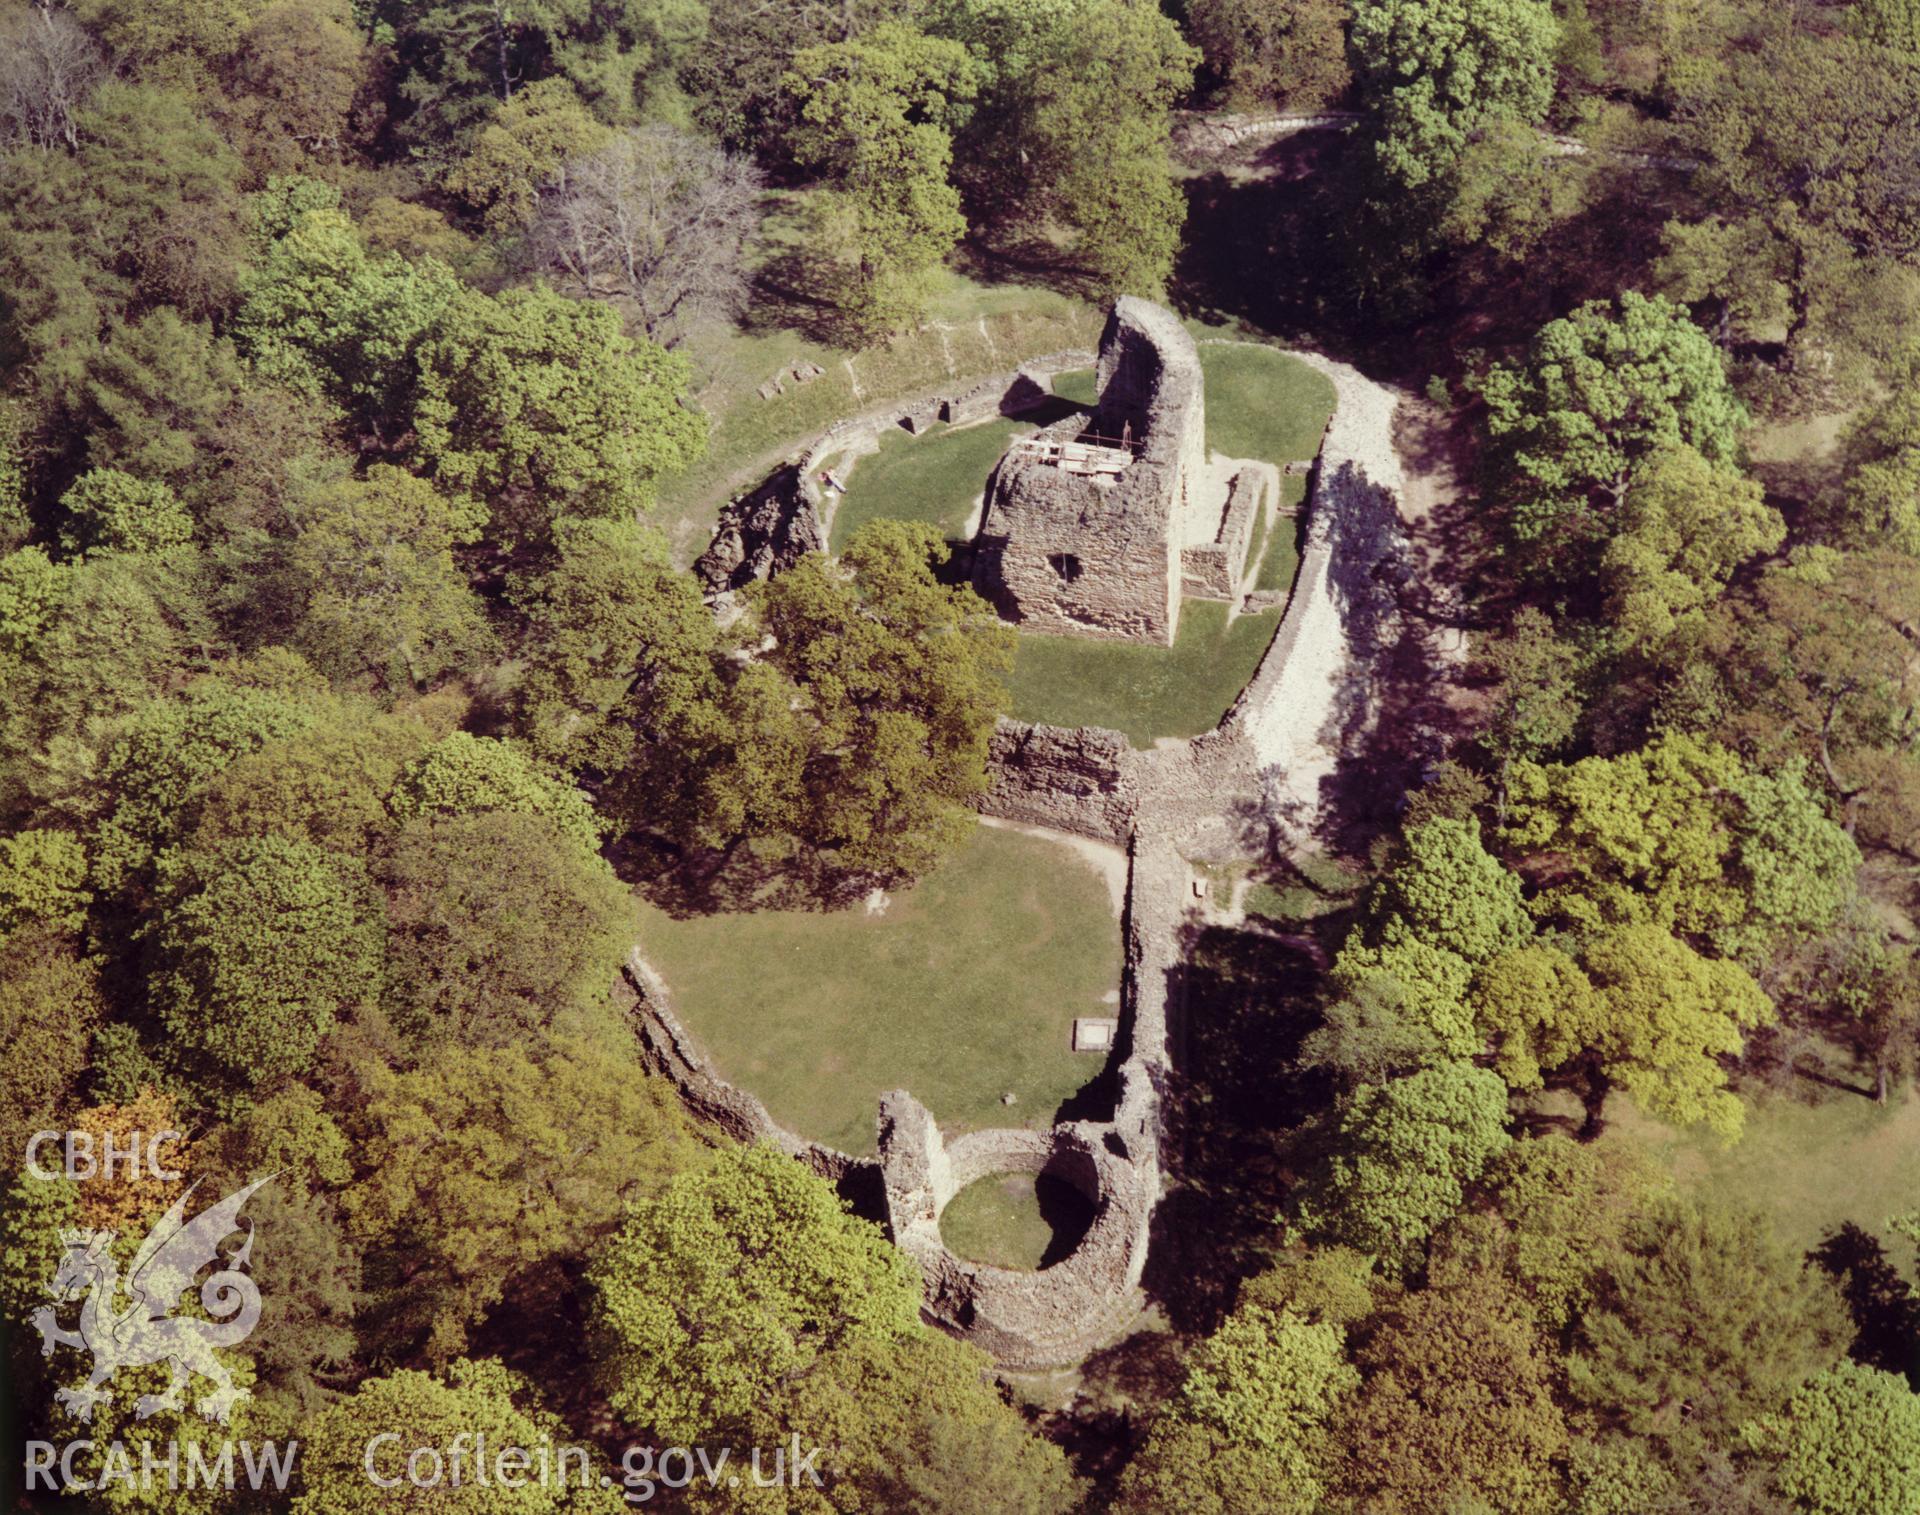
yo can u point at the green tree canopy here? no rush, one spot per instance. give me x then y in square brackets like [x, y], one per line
[1055, 77]
[388, 1417]
[146, 212]
[910, 1423]
[1880, 502]
[259, 947]
[112, 511]
[462, 59]
[175, 746]
[1435, 72]
[734, 1280]
[1682, 834]
[309, 1271]
[82, 646]
[528, 140]
[324, 316]
[1111, 75]
[1537, 1008]
[301, 69]
[497, 924]
[1852, 1442]
[876, 115]
[1708, 1310]
[475, 775]
[1891, 23]
[1666, 1018]
[1451, 892]
[1795, 198]
[1293, 53]
[1247, 1427]
[50, 1003]
[328, 784]
[900, 676]
[532, 1151]
[1448, 906]
[543, 407]
[1402, 1154]
[1457, 1410]
[1597, 392]
[1817, 663]
[382, 601]
[621, 643]
[1682, 530]
[1564, 1210]
[43, 880]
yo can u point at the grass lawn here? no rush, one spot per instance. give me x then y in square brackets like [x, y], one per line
[1263, 404]
[1810, 1167]
[1145, 691]
[1016, 1220]
[1076, 385]
[971, 330]
[937, 477]
[963, 990]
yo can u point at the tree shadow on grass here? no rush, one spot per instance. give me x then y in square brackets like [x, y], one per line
[1233, 1103]
[786, 297]
[685, 884]
[1885, 1310]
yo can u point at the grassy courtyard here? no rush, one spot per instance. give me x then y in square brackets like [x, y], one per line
[1263, 404]
[937, 477]
[1145, 691]
[1016, 1220]
[963, 990]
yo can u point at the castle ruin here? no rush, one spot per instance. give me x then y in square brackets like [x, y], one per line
[1271, 756]
[1086, 520]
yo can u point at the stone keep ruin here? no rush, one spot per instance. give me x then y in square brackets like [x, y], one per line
[1097, 527]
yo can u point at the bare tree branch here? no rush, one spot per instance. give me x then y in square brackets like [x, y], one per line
[655, 223]
[48, 68]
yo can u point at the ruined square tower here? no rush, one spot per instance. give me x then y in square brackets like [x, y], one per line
[1084, 521]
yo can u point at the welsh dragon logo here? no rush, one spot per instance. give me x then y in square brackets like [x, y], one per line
[144, 1329]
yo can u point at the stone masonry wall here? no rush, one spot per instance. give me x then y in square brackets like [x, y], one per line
[1220, 570]
[667, 1050]
[761, 534]
[1098, 555]
[767, 530]
[1068, 778]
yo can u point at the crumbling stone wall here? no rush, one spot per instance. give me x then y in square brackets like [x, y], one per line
[1067, 778]
[1310, 700]
[769, 530]
[1099, 554]
[1221, 569]
[667, 1050]
[761, 534]
[1022, 1319]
